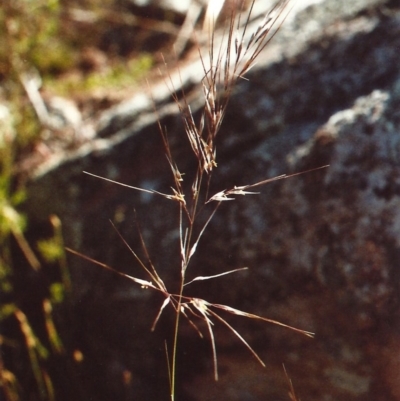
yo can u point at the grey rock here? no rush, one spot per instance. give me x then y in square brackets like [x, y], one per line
[323, 247]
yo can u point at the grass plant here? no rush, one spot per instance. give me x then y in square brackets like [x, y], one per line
[12, 228]
[226, 61]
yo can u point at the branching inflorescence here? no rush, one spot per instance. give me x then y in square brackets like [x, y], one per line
[227, 61]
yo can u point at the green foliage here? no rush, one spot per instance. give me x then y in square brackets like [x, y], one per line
[31, 29]
[30, 41]
[37, 37]
[37, 352]
[13, 225]
[10, 220]
[121, 75]
[118, 76]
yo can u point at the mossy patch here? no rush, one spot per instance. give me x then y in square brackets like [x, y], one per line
[116, 77]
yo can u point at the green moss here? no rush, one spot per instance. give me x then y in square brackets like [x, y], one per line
[119, 76]
[54, 58]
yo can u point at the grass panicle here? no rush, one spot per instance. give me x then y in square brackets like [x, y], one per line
[229, 58]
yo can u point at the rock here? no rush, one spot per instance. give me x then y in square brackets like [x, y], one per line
[322, 247]
[166, 5]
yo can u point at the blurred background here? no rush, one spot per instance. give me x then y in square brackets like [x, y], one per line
[79, 81]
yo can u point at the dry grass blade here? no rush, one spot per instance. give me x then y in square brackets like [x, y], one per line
[176, 196]
[223, 195]
[201, 278]
[182, 243]
[200, 147]
[201, 306]
[143, 283]
[194, 246]
[153, 272]
[239, 336]
[257, 317]
[178, 176]
[241, 190]
[164, 304]
[261, 37]
[187, 306]
[222, 69]
[283, 176]
[205, 310]
[292, 394]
